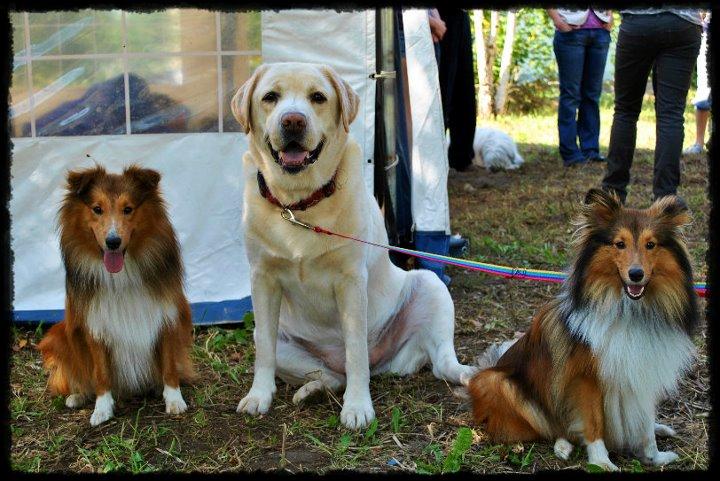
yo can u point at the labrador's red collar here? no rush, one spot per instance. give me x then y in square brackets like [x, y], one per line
[323, 192]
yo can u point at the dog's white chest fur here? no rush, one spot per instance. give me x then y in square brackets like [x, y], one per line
[126, 319]
[640, 358]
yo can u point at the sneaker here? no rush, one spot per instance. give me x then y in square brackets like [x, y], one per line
[596, 158]
[694, 149]
[458, 246]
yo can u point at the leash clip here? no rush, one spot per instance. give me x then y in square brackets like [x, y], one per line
[288, 215]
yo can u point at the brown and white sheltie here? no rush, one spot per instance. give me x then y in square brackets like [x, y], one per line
[127, 326]
[597, 360]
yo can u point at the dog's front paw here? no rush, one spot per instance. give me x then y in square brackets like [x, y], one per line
[605, 464]
[256, 402]
[174, 402]
[104, 406]
[598, 455]
[357, 414]
[661, 458]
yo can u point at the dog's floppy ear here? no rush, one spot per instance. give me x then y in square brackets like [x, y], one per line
[79, 182]
[672, 210]
[242, 100]
[145, 180]
[600, 207]
[348, 100]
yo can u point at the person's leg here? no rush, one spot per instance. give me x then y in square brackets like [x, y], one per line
[701, 101]
[570, 53]
[463, 110]
[674, 65]
[634, 56]
[588, 122]
[447, 67]
[701, 121]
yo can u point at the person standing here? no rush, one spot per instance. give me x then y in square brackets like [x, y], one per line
[457, 85]
[581, 42]
[702, 100]
[667, 40]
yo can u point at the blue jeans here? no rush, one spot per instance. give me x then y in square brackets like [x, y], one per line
[581, 56]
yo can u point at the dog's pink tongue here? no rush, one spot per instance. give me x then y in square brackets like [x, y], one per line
[293, 158]
[113, 261]
[635, 290]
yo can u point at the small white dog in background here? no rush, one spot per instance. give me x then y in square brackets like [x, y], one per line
[495, 150]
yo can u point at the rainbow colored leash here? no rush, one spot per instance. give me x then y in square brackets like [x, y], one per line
[492, 269]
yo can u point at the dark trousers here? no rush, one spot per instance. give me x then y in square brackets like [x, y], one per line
[671, 45]
[581, 55]
[457, 86]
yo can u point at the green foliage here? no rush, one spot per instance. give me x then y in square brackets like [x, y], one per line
[222, 338]
[397, 420]
[533, 72]
[454, 459]
[522, 461]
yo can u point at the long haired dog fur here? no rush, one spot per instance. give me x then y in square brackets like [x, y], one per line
[127, 326]
[597, 360]
[495, 149]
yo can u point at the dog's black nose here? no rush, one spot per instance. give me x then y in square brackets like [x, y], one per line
[293, 122]
[113, 243]
[636, 274]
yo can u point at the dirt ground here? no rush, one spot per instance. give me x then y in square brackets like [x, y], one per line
[517, 218]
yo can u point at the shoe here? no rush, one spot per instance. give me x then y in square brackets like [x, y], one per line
[458, 246]
[694, 149]
[596, 158]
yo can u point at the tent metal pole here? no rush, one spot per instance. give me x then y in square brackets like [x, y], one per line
[387, 77]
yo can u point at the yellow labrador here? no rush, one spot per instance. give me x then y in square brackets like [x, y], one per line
[328, 312]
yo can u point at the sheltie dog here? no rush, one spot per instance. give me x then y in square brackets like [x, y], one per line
[597, 360]
[127, 326]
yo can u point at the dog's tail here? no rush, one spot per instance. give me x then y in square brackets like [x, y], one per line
[492, 354]
[55, 351]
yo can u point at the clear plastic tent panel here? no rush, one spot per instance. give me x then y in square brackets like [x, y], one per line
[95, 72]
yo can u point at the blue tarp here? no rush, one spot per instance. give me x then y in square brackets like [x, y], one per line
[203, 313]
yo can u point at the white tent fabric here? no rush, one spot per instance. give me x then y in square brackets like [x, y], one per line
[344, 40]
[205, 209]
[430, 207]
[201, 177]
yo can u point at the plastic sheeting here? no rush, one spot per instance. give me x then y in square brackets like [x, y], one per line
[430, 205]
[202, 184]
[343, 40]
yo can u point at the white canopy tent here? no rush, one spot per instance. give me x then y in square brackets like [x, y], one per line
[201, 165]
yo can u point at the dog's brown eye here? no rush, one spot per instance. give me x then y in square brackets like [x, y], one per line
[127, 210]
[318, 97]
[270, 97]
[650, 245]
[97, 210]
[620, 244]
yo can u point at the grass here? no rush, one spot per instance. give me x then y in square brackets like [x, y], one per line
[518, 218]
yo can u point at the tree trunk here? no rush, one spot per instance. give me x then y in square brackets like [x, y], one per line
[494, 14]
[505, 63]
[490, 54]
[484, 95]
